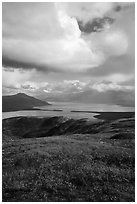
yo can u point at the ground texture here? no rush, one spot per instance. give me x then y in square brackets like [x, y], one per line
[94, 165]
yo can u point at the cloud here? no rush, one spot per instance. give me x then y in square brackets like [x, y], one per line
[47, 53]
[96, 25]
[115, 97]
[117, 41]
[108, 92]
[30, 21]
[13, 78]
[111, 43]
[87, 11]
[124, 64]
[104, 92]
[41, 35]
[47, 35]
[66, 86]
[107, 85]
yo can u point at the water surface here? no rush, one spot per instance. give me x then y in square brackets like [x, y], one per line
[65, 108]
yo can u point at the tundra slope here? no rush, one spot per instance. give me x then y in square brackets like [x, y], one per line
[81, 162]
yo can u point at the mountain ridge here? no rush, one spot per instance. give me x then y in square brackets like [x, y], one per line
[20, 101]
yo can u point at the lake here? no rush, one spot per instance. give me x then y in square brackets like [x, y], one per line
[66, 108]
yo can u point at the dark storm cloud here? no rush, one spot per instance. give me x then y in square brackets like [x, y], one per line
[6, 62]
[118, 8]
[96, 25]
[11, 63]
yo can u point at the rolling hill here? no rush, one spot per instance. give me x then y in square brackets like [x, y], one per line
[59, 160]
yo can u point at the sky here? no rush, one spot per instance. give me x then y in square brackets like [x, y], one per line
[79, 51]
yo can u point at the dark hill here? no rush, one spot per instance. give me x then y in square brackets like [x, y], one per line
[20, 101]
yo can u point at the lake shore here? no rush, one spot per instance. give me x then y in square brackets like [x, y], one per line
[110, 115]
[102, 115]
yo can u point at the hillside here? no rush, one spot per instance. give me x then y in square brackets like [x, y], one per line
[31, 127]
[20, 101]
[60, 160]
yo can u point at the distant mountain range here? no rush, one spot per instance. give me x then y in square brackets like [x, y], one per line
[20, 101]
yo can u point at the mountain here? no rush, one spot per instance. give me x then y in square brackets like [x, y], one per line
[20, 101]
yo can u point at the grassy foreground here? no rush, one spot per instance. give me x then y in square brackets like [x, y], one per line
[77, 167]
